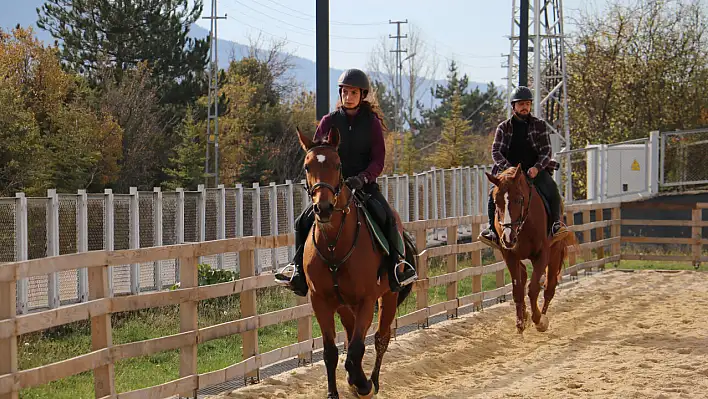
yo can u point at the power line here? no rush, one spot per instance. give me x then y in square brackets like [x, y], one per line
[310, 16]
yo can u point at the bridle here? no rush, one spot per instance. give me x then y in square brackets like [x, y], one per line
[333, 264]
[518, 224]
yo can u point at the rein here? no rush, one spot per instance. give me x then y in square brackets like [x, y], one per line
[332, 263]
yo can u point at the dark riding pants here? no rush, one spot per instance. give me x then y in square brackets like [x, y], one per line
[548, 188]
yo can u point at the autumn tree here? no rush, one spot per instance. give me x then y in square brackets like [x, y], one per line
[53, 135]
[637, 68]
[186, 168]
[454, 147]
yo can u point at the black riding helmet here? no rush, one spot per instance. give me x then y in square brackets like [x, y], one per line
[521, 93]
[355, 78]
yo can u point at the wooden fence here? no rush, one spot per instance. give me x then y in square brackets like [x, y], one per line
[594, 253]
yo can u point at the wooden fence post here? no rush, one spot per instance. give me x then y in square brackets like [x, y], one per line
[696, 218]
[617, 231]
[188, 319]
[572, 255]
[600, 235]
[451, 268]
[476, 262]
[248, 309]
[587, 254]
[101, 332]
[421, 241]
[8, 346]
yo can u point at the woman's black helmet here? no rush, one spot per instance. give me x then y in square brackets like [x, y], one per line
[521, 93]
[355, 78]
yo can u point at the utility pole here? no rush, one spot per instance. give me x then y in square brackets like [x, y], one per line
[322, 57]
[213, 108]
[397, 125]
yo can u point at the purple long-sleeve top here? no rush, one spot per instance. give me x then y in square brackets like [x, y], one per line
[378, 147]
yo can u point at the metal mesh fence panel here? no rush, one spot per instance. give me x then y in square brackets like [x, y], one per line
[284, 224]
[191, 227]
[7, 230]
[447, 185]
[37, 248]
[231, 258]
[682, 152]
[169, 234]
[210, 222]
[121, 240]
[146, 211]
[265, 255]
[247, 213]
[95, 209]
[68, 279]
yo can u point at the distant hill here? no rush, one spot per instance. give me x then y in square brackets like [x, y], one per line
[24, 13]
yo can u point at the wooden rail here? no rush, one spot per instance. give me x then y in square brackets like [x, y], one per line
[99, 307]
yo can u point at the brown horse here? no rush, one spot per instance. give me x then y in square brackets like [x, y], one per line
[342, 263]
[522, 223]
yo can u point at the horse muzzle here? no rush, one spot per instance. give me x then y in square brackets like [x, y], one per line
[323, 210]
[509, 239]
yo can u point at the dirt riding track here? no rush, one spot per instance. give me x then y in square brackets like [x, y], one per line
[614, 335]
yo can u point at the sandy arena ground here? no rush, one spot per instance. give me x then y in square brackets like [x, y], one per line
[615, 335]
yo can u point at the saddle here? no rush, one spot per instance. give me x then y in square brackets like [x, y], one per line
[375, 216]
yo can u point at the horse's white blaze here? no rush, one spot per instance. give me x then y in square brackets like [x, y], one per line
[321, 158]
[507, 217]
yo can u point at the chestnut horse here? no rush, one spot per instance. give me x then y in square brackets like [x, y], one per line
[342, 263]
[522, 223]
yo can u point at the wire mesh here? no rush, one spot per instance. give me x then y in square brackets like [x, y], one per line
[121, 240]
[265, 255]
[169, 235]
[146, 212]
[285, 224]
[446, 184]
[95, 209]
[37, 286]
[211, 215]
[683, 151]
[191, 221]
[231, 258]
[247, 213]
[7, 230]
[68, 279]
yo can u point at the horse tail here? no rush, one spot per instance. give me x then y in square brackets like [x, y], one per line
[411, 256]
[570, 240]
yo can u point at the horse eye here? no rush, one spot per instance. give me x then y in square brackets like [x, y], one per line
[339, 166]
[307, 168]
[520, 201]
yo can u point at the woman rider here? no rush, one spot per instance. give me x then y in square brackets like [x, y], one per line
[362, 152]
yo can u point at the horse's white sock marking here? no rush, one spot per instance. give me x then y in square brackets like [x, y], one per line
[321, 158]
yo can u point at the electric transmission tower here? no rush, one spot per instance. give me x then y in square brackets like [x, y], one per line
[211, 167]
[397, 120]
[537, 60]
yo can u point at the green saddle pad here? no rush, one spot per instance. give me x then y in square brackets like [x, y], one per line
[381, 237]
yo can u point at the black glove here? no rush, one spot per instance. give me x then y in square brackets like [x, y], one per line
[355, 182]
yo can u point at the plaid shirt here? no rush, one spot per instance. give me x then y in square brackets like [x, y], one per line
[539, 138]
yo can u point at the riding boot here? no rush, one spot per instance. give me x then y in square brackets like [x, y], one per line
[489, 235]
[402, 272]
[297, 281]
[548, 186]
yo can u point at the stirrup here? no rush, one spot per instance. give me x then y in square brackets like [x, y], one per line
[281, 277]
[489, 242]
[406, 266]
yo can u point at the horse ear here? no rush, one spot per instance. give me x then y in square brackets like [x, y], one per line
[493, 179]
[516, 172]
[305, 141]
[333, 137]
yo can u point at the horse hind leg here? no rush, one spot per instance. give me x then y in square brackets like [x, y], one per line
[554, 269]
[539, 269]
[387, 312]
[355, 353]
[324, 313]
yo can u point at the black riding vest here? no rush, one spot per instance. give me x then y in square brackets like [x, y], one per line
[520, 148]
[355, 140]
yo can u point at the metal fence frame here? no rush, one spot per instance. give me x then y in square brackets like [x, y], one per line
[665, 137]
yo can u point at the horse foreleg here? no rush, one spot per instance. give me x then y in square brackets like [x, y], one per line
[518, 290]
[554, 268]
[348, 321]
[387, 312]
[355, 353]
[539, 268]
[324, 313]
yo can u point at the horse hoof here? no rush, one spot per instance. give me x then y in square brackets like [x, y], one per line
[368, 395]
[333, 395]
[542, 325]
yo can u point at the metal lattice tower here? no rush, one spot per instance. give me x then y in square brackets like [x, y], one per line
[211, 167]
[547, 75]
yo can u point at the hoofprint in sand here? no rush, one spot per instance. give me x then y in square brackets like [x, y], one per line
[613, 335]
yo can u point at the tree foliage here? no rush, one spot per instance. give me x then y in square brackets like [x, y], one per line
[637, 68]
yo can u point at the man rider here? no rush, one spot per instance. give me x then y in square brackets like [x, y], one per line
[524, 139]
[362, 152]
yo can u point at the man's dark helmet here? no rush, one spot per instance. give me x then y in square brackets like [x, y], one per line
[521, 93]
[355, 78]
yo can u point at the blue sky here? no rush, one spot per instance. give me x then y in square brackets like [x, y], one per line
[474, 32]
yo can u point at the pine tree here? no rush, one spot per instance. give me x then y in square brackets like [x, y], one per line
[187, 164]
[454, 147]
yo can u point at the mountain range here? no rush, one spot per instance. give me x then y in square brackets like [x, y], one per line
[24, 13]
